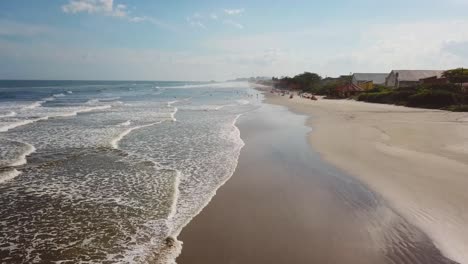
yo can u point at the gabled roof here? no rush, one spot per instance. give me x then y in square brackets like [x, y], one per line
[416, 75]
[376, 78]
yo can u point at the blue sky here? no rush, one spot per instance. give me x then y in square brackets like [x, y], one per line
[205, 40]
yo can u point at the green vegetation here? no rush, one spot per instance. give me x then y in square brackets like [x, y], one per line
[307, 82]
[459, 75]
[446, 96]
[450, 96]
[311, 83]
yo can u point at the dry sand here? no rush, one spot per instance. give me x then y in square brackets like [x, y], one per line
[417, 159]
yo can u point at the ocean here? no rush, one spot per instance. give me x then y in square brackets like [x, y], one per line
[111, 171]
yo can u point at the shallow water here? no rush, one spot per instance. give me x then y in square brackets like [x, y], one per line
[98, 172]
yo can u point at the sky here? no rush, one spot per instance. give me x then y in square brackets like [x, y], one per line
[218, 40]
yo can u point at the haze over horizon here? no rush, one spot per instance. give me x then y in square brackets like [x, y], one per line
[220, 40]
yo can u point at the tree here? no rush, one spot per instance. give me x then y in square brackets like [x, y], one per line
[308, 81]
[459, 75]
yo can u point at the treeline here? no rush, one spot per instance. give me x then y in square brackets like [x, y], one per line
[310, 82]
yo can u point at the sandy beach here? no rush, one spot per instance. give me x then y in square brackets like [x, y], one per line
[417, 159]
[300, 196]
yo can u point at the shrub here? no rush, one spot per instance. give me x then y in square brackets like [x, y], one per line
[458, 108]
[432, 99]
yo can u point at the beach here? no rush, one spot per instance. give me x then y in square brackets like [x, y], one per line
[310, 188]
[417, 159]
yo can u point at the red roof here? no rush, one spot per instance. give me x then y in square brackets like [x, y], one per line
[349, 88]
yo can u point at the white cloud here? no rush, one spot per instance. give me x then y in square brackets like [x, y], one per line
[333, 49]
[411, 45]
[233, 23]
[196, 20]
[201, 20]
[234, 11]
[152, 20]
[105, 7]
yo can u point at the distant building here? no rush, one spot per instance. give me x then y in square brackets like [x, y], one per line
[347, 90]
[368, 80]
[408, 78]
[434, 80]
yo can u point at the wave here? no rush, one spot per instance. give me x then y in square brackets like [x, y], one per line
[5, 128]
[242, 101]
[8, 175]
[9, 114]
[240, 144]
[206, 107]
[175, 197]
[170, 103]
[126, 123]
[21, 160]
[173, 114]
[8, 127]
[34, 105]
[43, 100]
[213, 85]
[115, 141]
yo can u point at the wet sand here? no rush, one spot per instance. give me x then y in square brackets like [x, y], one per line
[284, 204]
[417, 159]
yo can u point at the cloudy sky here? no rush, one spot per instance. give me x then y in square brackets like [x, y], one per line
[224, 39]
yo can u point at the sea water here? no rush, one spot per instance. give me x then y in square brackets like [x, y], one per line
[110, 172]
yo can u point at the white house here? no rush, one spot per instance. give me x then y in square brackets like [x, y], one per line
[408, 78]
[376, 78]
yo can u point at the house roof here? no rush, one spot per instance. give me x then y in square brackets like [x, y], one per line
[376, 78]
[416, 75]
[349, 88]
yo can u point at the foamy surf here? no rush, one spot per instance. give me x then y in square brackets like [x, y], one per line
[72, 112]
[21, 160]
[115, 142]
[162, 175]
[8, 175]
[8, 114]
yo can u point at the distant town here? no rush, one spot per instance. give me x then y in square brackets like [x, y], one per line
[436, 89]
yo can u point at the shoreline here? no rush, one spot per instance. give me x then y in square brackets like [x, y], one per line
[415, 158]
[285, 205]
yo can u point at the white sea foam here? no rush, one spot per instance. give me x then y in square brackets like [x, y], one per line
[213, 85]
[22, 158]
[19, 123]
[170, 103]
[173, 114]
[72, 112]
[8, 114]
[8, 175]
[43, 100]
[173, 207]
[169, 172]
[242, 102]
[206, 107]
[235, 134]
[126, 123]
[115, 141]
[34, 105]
